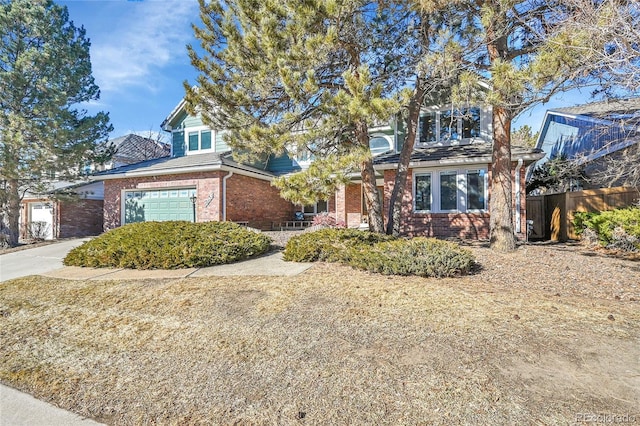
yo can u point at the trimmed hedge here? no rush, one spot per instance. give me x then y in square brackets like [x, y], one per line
[169, 245]
[618, 229]
[426, 257]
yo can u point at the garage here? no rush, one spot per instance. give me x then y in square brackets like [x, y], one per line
[159, 205]
[41, 220]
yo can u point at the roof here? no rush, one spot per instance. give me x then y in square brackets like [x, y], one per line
[186, 164]
[455, 154]
[133, 148]
[608, 110]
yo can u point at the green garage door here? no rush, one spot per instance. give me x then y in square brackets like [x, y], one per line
[158, 205]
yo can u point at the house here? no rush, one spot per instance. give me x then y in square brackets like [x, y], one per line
[64, 209]
[591, 134]
[200, 181]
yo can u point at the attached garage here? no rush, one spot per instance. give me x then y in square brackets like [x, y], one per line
[158, 205]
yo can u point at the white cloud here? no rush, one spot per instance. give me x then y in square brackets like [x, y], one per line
[140, 42]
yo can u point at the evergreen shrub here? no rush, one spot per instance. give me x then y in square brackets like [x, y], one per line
[618, 229]
[426, 257]
[169, 245]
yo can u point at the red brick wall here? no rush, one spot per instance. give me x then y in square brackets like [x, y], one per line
[79, 218]
[257, 202]
[445, 225]
[248, 199]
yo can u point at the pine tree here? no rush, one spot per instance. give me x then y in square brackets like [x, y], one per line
[299, 76]
[45, 73]
[513, 46]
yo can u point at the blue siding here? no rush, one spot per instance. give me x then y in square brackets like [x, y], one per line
[184, 120]
[281, 164]
[178, 144]
[574, 137]
[221, 145]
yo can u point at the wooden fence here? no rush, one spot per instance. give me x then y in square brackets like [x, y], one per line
[553, 214]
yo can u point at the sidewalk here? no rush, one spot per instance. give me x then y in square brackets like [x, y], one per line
[270, 264]
[21, 409]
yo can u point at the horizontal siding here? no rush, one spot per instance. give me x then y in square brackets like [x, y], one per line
[281, 164]
[178, 144]
[221, 145]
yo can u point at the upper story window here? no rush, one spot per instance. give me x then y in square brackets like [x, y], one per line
[199, 141]
[379, 144]
[449, 125]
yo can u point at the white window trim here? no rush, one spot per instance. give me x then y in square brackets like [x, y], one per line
[315, 209]
[388, 138]
[439, 141]
[199, 129]
[413, 194]
[461, 196]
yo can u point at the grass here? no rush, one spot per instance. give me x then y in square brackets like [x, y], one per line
[331, 346]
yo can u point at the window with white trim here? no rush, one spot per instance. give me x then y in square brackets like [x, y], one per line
[447, 191]
[313, 209]
[199, 140]
[449, 125]
[422, 192]
[379, 144]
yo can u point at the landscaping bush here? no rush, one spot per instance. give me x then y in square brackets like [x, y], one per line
[616, 229]
[383, 254]
[169, 245]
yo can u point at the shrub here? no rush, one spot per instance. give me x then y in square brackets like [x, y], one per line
[618, 229]
[328, 221]
[169, 245]
[383, 254]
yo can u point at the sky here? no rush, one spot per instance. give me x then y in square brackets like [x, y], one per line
[138, 56]
[139, 61]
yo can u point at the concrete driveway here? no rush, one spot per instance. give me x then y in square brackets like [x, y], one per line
[36, 260]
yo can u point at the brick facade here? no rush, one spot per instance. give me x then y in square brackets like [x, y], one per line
[472, 225]
[248, 199]
[79, 218]
[257, 202]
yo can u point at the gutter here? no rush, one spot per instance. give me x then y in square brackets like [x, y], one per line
[224, 196]
[518, 197]
[182, 170]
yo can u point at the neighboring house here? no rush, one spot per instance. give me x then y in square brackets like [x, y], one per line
[591, 133]
[447, 196]
[75, 209]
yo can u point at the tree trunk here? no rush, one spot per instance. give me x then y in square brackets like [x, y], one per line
[13, 210]
[369, 188]
[502, 235]
[395, 201]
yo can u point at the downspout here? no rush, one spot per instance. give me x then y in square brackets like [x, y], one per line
[224, 196]
[518, 207]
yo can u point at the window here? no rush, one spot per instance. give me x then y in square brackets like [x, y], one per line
[428, 128]
[422, 191]
[379, 144]
[448, 190]
[313, 209]
[449, 125]
[471, 123]
[476, 189]
[199, 140]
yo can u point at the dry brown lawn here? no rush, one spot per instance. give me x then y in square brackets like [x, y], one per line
[336, 346]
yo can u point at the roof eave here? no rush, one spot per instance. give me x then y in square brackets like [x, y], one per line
[183, 170]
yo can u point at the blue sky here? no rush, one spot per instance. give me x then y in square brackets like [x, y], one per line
[138, 57]
[139, 60]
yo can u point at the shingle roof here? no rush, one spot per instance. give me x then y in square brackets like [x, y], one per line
[455, 154]
[133, 148]
[604, 109]
[184, 164]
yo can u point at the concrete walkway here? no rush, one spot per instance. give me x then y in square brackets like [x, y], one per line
[21, 409]
[270, 264]
[36, 260]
